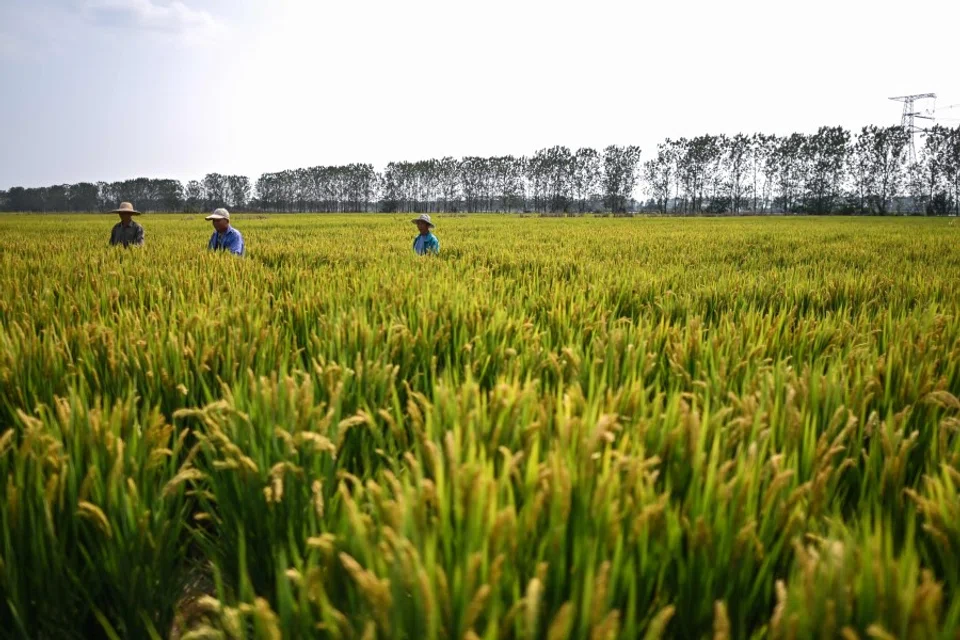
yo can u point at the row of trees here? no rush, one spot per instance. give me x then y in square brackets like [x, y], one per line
[146, 194]
[350, 188]
[830, 171]
[554, 179]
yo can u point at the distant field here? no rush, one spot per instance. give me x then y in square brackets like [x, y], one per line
[559, 428]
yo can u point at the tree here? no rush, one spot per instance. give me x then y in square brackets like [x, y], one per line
[825, 154]
[736, 165]
[761, 146]
[620, 166]
[17, 199]
[104, 197]
[449, 181]
[473, 180]
[84, 196]
[877, 166]
[238, 191]
[535, 172]
[194, 196]
[286, 190]
[169, 195]
[926, 178]
[215, 189]
[787, 167]
[587, 171]
[396, 187]
[949, 163]
[363, 185]
[819, 173]
[660, 174]
[267, 192]
[559, 164]
[697, 160]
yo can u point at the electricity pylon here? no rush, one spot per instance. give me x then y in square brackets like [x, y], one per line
[907, 120]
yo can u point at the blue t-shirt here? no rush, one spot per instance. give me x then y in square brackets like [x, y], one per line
[424, 244]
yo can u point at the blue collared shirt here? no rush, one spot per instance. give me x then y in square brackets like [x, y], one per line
[230, 241]
[424, 244]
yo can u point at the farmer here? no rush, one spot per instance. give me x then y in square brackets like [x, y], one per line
[426, 242]
[126, 232]
[224, 236]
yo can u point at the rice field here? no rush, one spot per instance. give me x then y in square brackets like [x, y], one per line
[559, 428]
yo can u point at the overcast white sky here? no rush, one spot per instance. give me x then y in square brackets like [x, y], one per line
[112, 89]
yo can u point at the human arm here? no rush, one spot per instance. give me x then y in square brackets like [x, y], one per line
[138, 240]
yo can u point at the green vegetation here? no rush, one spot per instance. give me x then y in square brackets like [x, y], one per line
[559, 428]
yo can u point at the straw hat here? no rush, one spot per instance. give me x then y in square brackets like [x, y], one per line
[218, 214]
[425, 217]
[126, 207]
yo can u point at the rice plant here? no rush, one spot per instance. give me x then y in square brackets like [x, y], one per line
[557, 428]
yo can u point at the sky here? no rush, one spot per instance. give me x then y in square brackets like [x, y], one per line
[113, 89]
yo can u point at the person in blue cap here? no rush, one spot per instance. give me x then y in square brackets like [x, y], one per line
[426, 242]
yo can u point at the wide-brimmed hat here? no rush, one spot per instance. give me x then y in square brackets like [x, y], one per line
[219, 214]
[126, 207]
[423, 217]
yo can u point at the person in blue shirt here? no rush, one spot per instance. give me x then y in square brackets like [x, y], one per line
[426, 242]
[225, 237]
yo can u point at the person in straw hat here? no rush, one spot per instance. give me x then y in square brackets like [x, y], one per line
[426, 242]
[126, 232]
[225, 237]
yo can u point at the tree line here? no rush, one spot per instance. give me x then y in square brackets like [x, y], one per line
[831, 171]
[147, 194]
